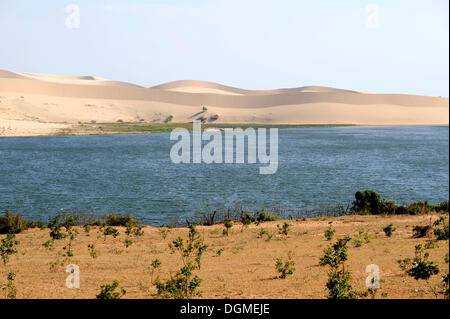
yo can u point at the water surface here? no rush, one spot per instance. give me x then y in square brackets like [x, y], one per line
[41, 176]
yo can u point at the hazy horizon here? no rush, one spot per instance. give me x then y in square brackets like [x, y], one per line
[371, 46]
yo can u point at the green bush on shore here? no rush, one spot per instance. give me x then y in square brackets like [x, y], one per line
[15, 223]
[369, 202]
[366, 202]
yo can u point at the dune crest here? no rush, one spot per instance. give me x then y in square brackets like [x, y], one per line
[46, 98]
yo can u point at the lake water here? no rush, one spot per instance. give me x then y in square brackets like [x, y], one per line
[41, 176]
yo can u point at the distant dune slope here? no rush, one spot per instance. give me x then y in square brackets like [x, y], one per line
[57, 99]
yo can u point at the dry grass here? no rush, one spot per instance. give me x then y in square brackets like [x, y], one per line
[245, 269]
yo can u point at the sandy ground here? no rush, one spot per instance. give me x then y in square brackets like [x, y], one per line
[41, 104]
[245, 269]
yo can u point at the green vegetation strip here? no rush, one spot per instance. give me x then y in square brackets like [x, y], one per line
[136, 128]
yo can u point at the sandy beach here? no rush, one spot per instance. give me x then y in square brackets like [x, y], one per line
[41, 104]
[245, 267]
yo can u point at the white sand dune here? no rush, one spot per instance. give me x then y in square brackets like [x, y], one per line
[64, 100]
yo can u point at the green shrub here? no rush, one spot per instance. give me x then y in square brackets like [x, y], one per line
[419, 208]
[387, 207]
[430, 244]
[92, 251]
[57, 223]
[367, 202]
[445, 281]
[156, 264]
[68, 224]
[262, 216]
[361, 238]
[214, 117]
[283, 230]
[133, 230]
[388, 230]
[421, 231]
[168, 119]
[120, 220]
[339, 278]
[330, 231]
[9, 288]
[163, 231]
[441, 233]
[262, 232]
[204, 108]
[62, 226]
[339, 286]
[419, 267]
[185, 283]
[257, 218]
[110, 231]
[335, 254]
[8, 247]
[228, 224]
[12, 223]
[247, 218]
[49, 244]
[108, 291]
[285, 268]
[442, 207]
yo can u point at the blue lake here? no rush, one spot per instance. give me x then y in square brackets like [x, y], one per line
[41, 176]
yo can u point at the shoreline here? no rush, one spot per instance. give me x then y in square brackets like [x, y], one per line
[132, 128]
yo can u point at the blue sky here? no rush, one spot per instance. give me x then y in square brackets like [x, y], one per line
[397, 46]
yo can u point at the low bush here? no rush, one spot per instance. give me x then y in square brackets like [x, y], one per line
[419, 267]
[284, 229]
[361, 238]
[185, 283]
[421, 231]
[110, 231]
[10, 289]
[339, 278]
[214, 117]
[13, 223]
[445, 281]
[92, 251]
[227, 224]
[441, 233]
[109, 291]
[8, 247]
[262, 216]
[388, 230]
[257, 218]
[330, 231]
[369, 202]
[285, 268]
[156, 264]
[168, 119]
[120, 220]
